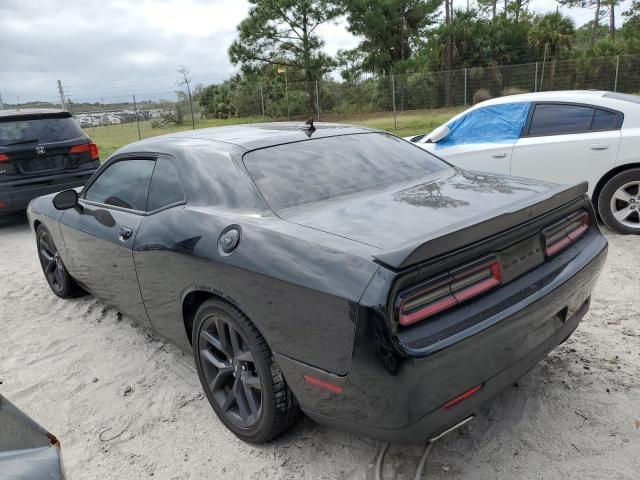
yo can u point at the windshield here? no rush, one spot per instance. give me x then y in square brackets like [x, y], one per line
[37, 131]
[326, 168]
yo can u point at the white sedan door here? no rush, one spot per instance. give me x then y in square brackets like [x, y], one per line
[486, 157]
[568, 143]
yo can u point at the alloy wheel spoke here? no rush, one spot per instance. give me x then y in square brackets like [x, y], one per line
[59, 276]
[50, 266]
[220, 378]
[215, 342]
[48, 246]
[252, 382]
[223, 335]
[241, 400]
[623, 195]
[251, 399]
[622, 214]
[213, 360]
[235, 341]
[45, 254]
[231, 398]
[244, 356]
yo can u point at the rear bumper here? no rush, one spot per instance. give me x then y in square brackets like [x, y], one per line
[407, 404]
[16, 195]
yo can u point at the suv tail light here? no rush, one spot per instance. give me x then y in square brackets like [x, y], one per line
[562, 234]
[3, 158]
[448, 290]
[92, 148]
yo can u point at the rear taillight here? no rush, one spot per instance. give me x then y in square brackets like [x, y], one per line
[448, 290]
[562, 234]
[3, 158]
[92, 148]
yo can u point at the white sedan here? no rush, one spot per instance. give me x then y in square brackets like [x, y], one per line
[561, 137]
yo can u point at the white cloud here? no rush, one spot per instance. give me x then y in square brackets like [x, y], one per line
[111, 49]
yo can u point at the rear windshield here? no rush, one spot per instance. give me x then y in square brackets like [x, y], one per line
[326, 168]
[38, 130]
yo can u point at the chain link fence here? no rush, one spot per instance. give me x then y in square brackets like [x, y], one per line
[383, 100]
[330, 100]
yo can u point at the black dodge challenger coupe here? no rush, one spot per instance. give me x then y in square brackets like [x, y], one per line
[334, 269]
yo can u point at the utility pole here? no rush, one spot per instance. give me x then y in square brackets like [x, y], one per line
[187, 81]
[135, 106]
[61, 92]
[286, 89]
[1, 104]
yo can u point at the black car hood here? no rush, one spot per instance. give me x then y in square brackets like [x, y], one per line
[406, 214]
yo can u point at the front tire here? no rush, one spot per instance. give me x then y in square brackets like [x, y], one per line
[239, 375]
[55, 272]
[619, 202]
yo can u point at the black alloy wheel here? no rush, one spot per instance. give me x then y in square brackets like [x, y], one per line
[237, 371]
[53, 267]
[230, 371]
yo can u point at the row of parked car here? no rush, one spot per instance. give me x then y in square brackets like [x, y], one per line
[116, 117]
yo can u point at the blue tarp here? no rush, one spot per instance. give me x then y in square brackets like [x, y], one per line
[495, 124]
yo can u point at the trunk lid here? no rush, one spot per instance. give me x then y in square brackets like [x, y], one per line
[413, 223]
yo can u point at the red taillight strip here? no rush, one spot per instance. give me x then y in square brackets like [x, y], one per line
[316, 382]
[565, 232]
[92, 148]
[431, 309]
[461, 398]
[3, 158]
[459, 290]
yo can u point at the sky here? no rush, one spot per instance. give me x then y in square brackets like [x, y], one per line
[111, 49]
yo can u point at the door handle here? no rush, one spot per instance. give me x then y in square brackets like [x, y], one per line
[599, 146]
[499, 155]
[125, 233]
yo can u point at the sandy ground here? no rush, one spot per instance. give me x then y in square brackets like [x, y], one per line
[69, 363]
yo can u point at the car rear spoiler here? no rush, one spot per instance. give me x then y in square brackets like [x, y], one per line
[462, 234]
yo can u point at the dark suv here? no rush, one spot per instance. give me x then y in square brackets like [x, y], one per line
[41, 151]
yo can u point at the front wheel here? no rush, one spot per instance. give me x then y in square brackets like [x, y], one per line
[59, 280]
[239, 375]
[619, 202]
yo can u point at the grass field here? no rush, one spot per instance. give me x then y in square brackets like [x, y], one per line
[110, 138]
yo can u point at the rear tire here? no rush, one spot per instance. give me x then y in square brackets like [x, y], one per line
[55, 272]
[239, 374]
[619, 202]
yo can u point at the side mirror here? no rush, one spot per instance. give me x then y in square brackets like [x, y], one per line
[440, 133]
[66, 199]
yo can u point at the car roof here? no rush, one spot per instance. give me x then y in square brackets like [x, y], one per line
[258, 135]
[574, 96]
[32, 112]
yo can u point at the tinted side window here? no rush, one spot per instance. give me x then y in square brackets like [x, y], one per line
[123, 184]
[166, 188]
[560, 119]
[604, 120]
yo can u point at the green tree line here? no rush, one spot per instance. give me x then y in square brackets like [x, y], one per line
[279, 52]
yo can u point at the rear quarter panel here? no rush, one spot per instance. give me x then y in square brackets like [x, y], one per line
[299, 287]
[629, 146]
